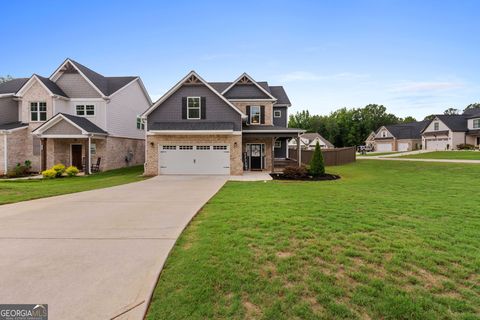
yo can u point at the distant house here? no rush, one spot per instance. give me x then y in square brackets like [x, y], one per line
[399, 137]
[446, 132]
[308, 141]
[370, 141]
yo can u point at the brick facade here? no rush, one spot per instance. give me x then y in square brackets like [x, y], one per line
[242, 105]
[268, 142]
[153, 141]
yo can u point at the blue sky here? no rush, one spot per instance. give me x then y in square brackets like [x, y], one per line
[415, 57]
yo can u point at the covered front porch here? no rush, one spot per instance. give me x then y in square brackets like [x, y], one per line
[71, 141]
[265, 148]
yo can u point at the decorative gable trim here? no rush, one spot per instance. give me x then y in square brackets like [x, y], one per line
[246, 79]
[381, 128]
[192, 78]
[53, 121]
[29, 83]
[54, 77]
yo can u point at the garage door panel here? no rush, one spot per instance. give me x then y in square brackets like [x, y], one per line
[384, 147]
[193, 159]
[437, 144]
[403, 146]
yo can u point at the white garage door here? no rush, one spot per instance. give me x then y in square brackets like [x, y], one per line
[384, 147]
[403, 146]
[436, 144]
[191, 159]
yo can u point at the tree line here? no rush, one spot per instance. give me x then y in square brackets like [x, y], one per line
[350, 127]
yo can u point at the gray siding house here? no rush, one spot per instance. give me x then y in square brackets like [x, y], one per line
[201, 127]
[74, 117]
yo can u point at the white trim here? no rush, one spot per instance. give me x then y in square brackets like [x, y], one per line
[89, 163]
[254, 100]
[253, 81]
[38, 111]
[193, 132]
[5, 95]
[274, 111]
[282, 105]
[52, 77]
[7, 131]
[87, 99]
[66, 136]
[262, 167]
[5, 153]
[179, 84]
[259, 115]
[199, 108]
[29, 83]
[85, 110]
[273, 131]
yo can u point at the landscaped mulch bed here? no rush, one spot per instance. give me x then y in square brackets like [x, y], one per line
[325, 177]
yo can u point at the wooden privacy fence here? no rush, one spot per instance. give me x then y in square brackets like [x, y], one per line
[332, 157]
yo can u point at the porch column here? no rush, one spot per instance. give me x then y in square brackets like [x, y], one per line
[88, 161]
[273, 154]
[43, 161]
[299, 152]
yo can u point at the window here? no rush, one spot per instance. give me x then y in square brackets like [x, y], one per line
[38, 111]
[255, 114]
[436, 126]
[169, 147]
[185, 147]
[277, 113]
[203, 147]
[93, 148]
[278, 144]
[193, 107]
[384, 134]
[219, 147]
[476, 123]
[140, 124]
[85, 110]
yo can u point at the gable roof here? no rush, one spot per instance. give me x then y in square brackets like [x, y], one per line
[411, 130]
[277, 91]
[245, 75]
[12, 86]
[106, 86]
[12, 125]
[52, 86]
[457, 123]
[85, 125]
[179, 85]
[312, 136]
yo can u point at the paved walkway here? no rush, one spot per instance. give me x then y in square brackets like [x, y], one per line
[421, 160]
[96, 254]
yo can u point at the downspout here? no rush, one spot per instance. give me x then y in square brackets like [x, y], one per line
[5, 152]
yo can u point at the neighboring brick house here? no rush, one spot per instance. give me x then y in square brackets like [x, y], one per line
[398, 137]
[447, 132]
[73, 117]
[201, 127]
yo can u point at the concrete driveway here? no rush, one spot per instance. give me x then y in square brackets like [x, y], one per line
[96, 254]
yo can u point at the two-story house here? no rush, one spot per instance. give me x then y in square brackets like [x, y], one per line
[201, 127]
[75, 117]
[446, 132]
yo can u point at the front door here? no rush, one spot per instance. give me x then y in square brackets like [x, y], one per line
[256, 157]
[77, 156]
[478, 141]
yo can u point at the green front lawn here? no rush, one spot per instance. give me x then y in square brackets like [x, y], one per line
[20, 190]
[457, 155]
[390, 240]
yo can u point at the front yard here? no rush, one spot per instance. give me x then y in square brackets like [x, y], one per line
[390, 240]
[454, 155]
[21, 190]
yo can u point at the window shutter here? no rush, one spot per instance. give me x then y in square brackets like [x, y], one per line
[262, 114]
[203, 108]
[184, 107]
[248, 114]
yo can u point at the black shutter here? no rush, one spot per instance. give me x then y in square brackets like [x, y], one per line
[184, 107]
[203, 108]
[248, 114]
[262, 114]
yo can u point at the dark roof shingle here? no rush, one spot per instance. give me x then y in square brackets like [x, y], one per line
[84, 123]
[412, 130]
[52, 86]
[12, 125]
[12, 86]
[173, 126]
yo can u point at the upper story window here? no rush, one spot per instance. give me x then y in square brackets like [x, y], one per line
[85, 110]
[436, 126]
[193, 107]
[140, 123]
[277, 113]
[38, 111]
[384, 134]
[255, 115]
[476, 123]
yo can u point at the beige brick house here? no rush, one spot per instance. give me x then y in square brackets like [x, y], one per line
[201, 127]
[74, 117]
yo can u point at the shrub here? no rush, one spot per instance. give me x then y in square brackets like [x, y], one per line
[72, 171]
[28, 164]
[317, 167]
[49, 174]
[20, 170]
[59, 169]
[466, 146]
[295, 172]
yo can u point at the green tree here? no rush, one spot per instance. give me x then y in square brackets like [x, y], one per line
[300, 120]
[429, 117]
[317, 166]
[451, 111]
[408, 119]
[6, 78]
[472, 106]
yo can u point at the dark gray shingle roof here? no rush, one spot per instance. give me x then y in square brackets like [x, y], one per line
[457, 123]
[52, 86]
[470, 112]
[12, 86]
[84, 123]
[412, 130]
[107, 85]
[277, 91]
[12, 125]
[261, 128]
[191, 126]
